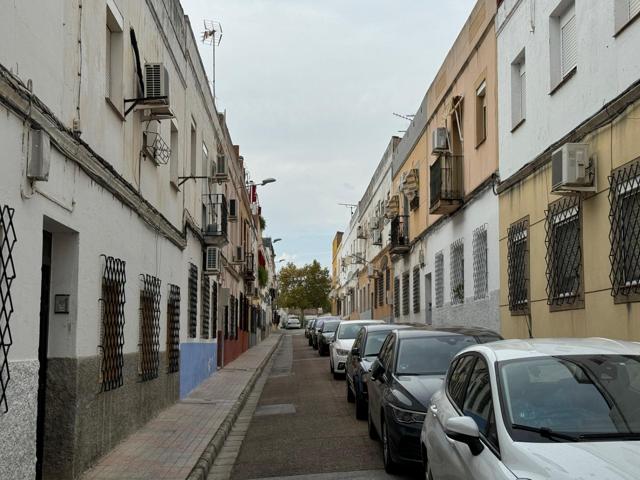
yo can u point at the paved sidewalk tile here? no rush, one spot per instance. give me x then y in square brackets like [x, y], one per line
[170, 445]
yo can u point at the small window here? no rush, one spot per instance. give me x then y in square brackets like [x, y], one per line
[396, 297]
[458, 379]
[192, 306]
[205, 305]
[518, 90]
[481, 113]
[174, 159]
[480, 264]
[563, 43]
[114, 57]
[457, 272]
[173, 329]
[416, 289]
[518, 266]
[568, 41]
[626, 11]
[149, 337]
[405, 293]
[194, 152]
[439, 269]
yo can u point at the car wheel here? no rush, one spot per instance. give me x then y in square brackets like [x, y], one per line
[373, 435]
[350, 397]
[389, 464]
[361, 407]
[337, 375]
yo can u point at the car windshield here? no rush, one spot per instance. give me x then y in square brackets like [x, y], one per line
[348, 331]
[584, 396]
[429, 355]
[374, 342]
[330, 326]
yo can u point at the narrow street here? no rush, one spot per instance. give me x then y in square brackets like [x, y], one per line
[303, 427]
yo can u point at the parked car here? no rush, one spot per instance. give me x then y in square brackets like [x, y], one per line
[364, 351]
[293, 322]
[341, 346]
[538, 409]
[409, 370]
[317, 326]
[308, 327]
[326, 335]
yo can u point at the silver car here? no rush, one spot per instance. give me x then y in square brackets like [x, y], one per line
[538, 409]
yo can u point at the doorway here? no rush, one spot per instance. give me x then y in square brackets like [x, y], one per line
[427, 299]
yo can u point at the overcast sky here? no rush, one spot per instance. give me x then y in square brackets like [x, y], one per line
[310, 86]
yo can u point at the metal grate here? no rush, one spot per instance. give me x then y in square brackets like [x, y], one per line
[7, 275]
[439, 270]
[173, 329]
[149, 345]
[416, 289]
[624, 215]
[214, 310]
[405, 293]
[193, 300]
[396, 297]
[205, 304]
[518, 266]
[457, 272]
[114, 278]
[380, 290]
[564, 252]
[480, 264]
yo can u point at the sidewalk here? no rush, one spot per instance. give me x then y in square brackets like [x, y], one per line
[191, 432]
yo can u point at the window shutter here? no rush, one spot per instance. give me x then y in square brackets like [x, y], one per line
[569, 42]
[523, 91]
[107, 77]
[634, 8]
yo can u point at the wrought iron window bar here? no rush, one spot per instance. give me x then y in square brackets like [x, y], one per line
[215, 221]
[173, 329]
[396, 297]
[439, 272]
[214, 310]
[480, 263]
[149, 345]
[518, 266]
[446, 192]
[192, 294]
[416, 289]
[8, 241]
[457, 272]
[205, 311]
[399, 234]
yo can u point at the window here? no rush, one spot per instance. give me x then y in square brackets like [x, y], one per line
[458, 376]
[149, 338]
[174, 159]
[193, 300]
[396, 297]
[205, 306]
[405, 293]
[112, 332]
[481, 113]
[113, 56]
[439, 268]
[478, 402]
[194, 154]
[214, 310]
[518, 266]
[457, 272]
[518, 90]
[386, 352]
[480, 266]
[416, 289]
[563, 42]
[569, 41]
[625, 12]
[173, 329]
[624, 214]
[564, 253]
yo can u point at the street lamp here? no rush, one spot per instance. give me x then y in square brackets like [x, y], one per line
[276, 240]
[267, 180]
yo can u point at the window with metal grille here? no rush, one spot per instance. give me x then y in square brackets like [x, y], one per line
[237, 322]
[193, 300]
[457, 272]
[518, 266]
[416, 289]
[439, 270]
[480, 263]
[396, 297]
[149, 336]
[173, 329]
[214, 310]
[380, 290]
[7, 275]
[112, 328]
[387, 275]
[405, 293]
[226, 321]
[624, 216]
[564, 253]
[205, 304]
[232, 313]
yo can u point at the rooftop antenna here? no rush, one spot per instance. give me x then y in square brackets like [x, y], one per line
[405, 117]
[212, 35]
[350, 206]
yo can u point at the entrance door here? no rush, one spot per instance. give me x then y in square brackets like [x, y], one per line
[427, 294]
[43, 348]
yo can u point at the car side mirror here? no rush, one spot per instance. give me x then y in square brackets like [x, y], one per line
[465, 430]
[377, 370]
[355, 351]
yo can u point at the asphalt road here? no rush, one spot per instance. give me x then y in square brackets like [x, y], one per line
[303, 427]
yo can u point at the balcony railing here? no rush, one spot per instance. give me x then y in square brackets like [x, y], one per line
[446, 182]
[399, 236]
[249, 268]
[214, 224]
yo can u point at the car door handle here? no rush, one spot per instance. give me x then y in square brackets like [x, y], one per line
[434, 410]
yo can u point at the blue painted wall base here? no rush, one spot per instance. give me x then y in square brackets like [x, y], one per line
[197, 362]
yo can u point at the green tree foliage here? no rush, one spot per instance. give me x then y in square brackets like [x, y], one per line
[263, 276]
[304, 287]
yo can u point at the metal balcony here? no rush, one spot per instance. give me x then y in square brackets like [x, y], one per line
[249, 268]
[399, 236]
[214, 224]
[446, 182]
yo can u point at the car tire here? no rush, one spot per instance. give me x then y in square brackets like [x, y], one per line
[337, 375]
[350, 396]
[361, 407]
[373, 435]
[389, 465]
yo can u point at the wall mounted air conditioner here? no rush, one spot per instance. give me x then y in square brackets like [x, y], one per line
[39, 155]
[439, 140]
[156, 84]
[212, 258]
[572, 170]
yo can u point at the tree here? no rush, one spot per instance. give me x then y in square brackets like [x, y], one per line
[304, 287]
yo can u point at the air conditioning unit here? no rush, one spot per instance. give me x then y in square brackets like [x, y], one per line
[212, 260]
[156, 84]
[572, 169]
[238, 256]
[219, 171]
[439, 140]
[233, 210]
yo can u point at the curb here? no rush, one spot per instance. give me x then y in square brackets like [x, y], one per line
[205, 462]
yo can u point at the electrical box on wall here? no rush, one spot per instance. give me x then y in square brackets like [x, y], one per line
[39, 155]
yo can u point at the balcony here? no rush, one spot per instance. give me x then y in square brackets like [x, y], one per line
[214, 220]
[446, 182]
[249, 268]
[399, 236]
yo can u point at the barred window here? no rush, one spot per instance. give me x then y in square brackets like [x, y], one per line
[405, 293]
[173, 329]
[214, 310]
[114, 278]
[480, 266]
[518, 266]
[7, 275]
[396, 297]
[205, 306]
[564, 253]
[226, 321]
[439, 271]
[237, 320]
[193, 300]
[388, 279]
[232, 318]
[149, 343]
[624, 215]
[380, 290]
[416, 289]
[457, 272]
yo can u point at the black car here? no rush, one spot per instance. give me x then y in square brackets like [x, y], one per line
[364, 351]
[409, 369]
[313, 333]
[325, 335]
[307, 329]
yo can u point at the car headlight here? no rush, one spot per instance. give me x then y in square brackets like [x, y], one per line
[342, 352]
[407, 416]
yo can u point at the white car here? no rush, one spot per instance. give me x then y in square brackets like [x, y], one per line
[341, 346]
[537, 409]
[293, 322]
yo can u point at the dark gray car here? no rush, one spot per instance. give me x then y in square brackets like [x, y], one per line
[325, 335]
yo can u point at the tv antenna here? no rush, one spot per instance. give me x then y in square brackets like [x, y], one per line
[212, 35]
[350, 206]
[405, 117]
